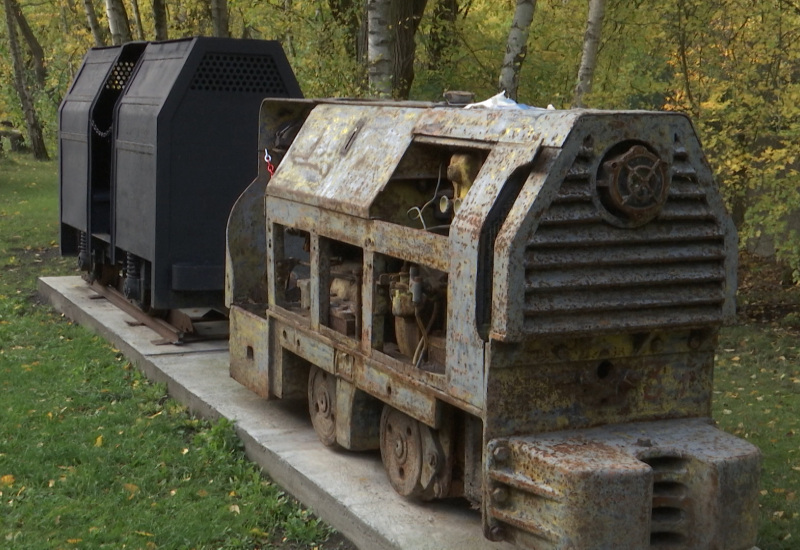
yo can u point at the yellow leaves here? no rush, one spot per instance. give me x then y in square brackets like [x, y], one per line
[132, 490]
[202, 493]
[7, 480]
[99, 441]
[234, 508]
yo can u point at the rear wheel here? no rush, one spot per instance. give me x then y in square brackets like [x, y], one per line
[322, 404]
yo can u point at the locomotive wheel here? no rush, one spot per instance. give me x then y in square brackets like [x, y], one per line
[401, 451]
[322, 404]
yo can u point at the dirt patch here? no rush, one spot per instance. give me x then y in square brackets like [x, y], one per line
[767, 293]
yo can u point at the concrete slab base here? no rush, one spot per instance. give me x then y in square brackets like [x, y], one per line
[347, 490]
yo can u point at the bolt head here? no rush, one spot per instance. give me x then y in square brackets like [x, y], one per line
[501, 453]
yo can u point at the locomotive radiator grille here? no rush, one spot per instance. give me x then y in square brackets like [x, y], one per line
[583, 273]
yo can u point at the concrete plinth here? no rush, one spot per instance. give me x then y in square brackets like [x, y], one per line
[347, 490]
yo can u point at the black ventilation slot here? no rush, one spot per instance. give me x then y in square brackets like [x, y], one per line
[239, 73]
[120, 75]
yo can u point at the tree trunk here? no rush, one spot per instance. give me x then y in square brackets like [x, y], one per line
[137, 20]
[380, 59]
[442, 33]
[591, 43]
[37, 53]
[219, 18]
[349, 14]
[118, 22]
[160, 19]
[516, 47]
[98, 33]
[31, 118]
[405, 20]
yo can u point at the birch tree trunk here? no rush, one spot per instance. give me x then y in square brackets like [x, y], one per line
[37, 53]
[98, 33]
[219, 18]
[137, 20]
[160, 19]
[32, 123]
[118, 22]
[591, 44]
[516, 47]
[379, 48]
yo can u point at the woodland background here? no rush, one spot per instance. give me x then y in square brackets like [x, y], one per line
[732, 65]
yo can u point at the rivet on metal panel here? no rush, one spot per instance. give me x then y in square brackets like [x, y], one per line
[500, 495]
[656, 345]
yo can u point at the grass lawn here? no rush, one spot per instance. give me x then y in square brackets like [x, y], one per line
[93, 455]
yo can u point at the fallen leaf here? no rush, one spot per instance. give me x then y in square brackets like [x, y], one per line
[132, 489]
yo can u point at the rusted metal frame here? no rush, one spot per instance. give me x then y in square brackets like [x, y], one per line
[465, 347]
[609, 389]
[705, 180]
[570, 324]
[405, 243]
[249, 350]
[625, 465]
[275, 253]
[337, 145]
[373, 312]
[245, 261]
[373, 374]
[509, 247]
[170, 334]
[320, 280]
[491, 126]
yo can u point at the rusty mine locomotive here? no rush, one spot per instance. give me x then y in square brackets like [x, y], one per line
[518, 307]
[515, 306]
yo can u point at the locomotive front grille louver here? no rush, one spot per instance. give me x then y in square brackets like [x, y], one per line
[670, 521]
[239, 73]
[583, 273]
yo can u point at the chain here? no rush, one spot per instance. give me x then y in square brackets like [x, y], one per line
[99, 132]
[268, 160]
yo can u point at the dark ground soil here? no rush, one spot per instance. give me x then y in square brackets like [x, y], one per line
[767, 293]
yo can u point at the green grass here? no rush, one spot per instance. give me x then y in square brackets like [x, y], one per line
[92, 455]
[757, 393]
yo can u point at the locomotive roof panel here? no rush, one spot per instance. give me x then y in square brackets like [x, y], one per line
[344, 154]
